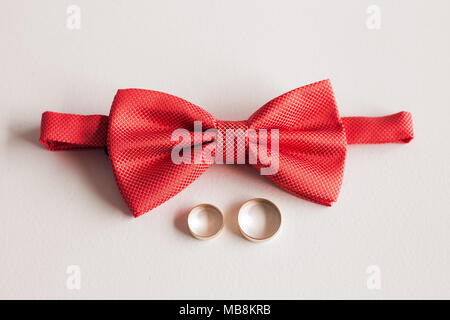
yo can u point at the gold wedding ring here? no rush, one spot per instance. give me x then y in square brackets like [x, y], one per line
[205, 221]
[266, 212]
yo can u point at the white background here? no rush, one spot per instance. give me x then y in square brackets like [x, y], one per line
[230, 57]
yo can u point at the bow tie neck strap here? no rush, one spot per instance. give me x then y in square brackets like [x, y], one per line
[63, 131]
[394, 128]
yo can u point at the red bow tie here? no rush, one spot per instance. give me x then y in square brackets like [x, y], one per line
[138, 134]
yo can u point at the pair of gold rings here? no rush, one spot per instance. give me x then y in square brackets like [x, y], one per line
[258, 220]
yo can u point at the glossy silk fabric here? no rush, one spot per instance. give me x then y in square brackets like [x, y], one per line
[313, 140]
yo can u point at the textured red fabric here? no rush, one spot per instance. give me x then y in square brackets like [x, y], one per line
[62, 131]
[313, 140]
[393, 128]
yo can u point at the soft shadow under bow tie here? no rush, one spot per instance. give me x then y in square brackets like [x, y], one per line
[313, 139]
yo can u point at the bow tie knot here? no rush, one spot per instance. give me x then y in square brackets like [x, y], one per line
[232, 142]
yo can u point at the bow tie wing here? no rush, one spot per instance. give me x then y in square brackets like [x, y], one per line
[312, 143]
[140, 145]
